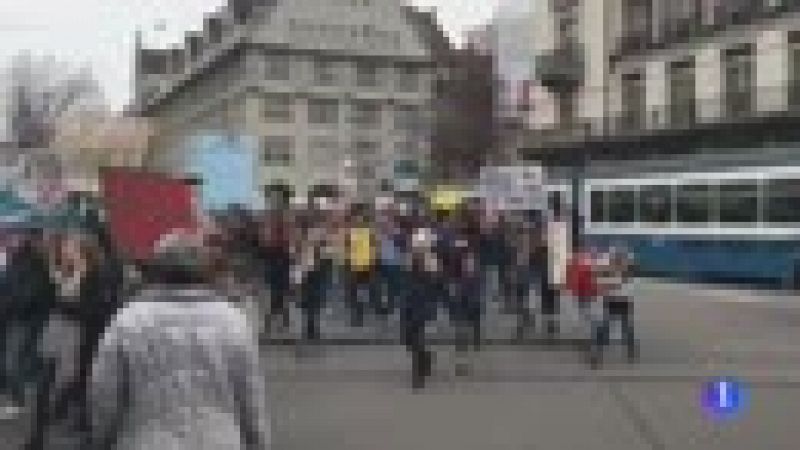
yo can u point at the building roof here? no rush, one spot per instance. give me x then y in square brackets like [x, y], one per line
[426, 24]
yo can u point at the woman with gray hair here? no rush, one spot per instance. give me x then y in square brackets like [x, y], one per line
[178, 366]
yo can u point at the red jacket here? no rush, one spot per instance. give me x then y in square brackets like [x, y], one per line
[581, 280]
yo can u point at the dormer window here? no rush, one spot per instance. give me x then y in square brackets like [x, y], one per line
[178, 60]
[214, 30]
[242, 10]
[193, 44]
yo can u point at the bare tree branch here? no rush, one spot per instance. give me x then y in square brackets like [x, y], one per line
[43, 90]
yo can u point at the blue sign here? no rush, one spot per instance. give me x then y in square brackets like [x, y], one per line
[226, 166]
[724, 398]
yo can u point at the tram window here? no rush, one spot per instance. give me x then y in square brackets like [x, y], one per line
[655, 204]
[782, 201]
[555, 202]
[738, 202]
[622, 206]
[694, 203]
[598, 206]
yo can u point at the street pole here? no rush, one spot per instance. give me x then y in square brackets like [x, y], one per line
[578, 176]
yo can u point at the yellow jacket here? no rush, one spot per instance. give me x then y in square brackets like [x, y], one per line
[361, 253]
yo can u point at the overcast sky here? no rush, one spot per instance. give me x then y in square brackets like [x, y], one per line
[100, 32]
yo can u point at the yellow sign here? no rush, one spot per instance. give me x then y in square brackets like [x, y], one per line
[447, 198]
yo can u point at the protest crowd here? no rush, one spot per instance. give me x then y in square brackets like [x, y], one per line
[98, 344]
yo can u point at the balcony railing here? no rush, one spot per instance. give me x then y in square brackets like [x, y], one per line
[680, 30]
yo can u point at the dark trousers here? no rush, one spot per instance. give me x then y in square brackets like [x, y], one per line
[620, 310]
[278, 280]
[523, 281]
[465, 310]
[414, 337]
[549, 296]
[314, 290]
[22, 364]
[419, 302]
[4, 363]
[357, 282]
[391, 282]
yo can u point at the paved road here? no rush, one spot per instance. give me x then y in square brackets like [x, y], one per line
[537, 396]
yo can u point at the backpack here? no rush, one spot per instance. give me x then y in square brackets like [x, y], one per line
[581, 279]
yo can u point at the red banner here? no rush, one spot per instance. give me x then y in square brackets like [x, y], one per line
[142, 206]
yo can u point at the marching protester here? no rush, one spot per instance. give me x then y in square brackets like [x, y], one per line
[59, 416]
[361, 269]
[558, 253]
[461, 270]
[6, 304]
[615, 286]
[277, 262]
[391, 254]
[178, 366]
[315, 267]
[491, 255]
[32, 293]
[523, 268]
[420, 305]
[582, 282]
[88, 277]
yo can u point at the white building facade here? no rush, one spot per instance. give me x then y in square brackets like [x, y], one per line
[339, 93]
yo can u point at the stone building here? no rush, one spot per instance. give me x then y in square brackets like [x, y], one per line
[340, 93]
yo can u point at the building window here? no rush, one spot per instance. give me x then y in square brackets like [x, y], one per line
[637, 17]
[633, 101]
[323, 111]
[794, 68]
[655, 204]
[407, 117]
[622, 205]
[598, 208]
[215, 30]
[324, 73]
[278, 108]
[694, 204]
[277, 67]
[195, 46]
[365, 172]
[680, 19]
[366, 150]
[366, 75]
[366, 114]
[682, 93]
[408, 78]
[738, 202]
[278, 150]
[738, 65]
[405, 149]
[323, 150]
[782, 200]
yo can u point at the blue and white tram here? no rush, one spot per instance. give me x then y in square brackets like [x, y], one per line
[739, 224]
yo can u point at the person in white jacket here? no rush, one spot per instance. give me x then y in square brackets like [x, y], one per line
[558, 254]
[178, 367]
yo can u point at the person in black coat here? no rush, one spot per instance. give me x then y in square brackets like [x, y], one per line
[87, 306]
[32, 294]
[420, 300]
